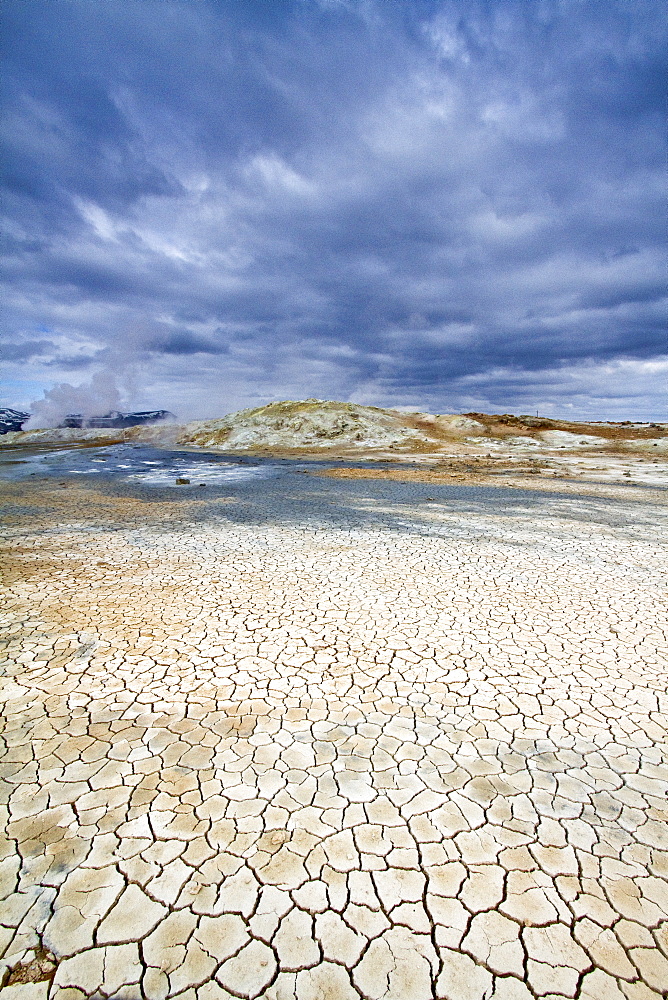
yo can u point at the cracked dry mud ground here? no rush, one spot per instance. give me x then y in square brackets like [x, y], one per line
[283, 761]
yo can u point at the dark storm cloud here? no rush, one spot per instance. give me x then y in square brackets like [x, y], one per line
[23, 350]
[183, 342]
[417, 202]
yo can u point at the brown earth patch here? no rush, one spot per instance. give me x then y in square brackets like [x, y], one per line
[508, 476]
[504, 424]
[58, 505]
[474, 470]
[41, 969]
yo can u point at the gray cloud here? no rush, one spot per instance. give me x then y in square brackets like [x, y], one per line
[426, 202]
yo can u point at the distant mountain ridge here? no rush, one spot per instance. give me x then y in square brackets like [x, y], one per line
[117, 419]
[13, 420]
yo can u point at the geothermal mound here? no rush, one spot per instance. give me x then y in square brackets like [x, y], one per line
[310, 424]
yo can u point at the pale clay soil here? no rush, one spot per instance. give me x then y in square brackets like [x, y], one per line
[281, 762]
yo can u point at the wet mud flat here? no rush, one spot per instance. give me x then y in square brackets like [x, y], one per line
[290, 736]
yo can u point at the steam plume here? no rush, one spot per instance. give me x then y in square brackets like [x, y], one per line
[94, 398]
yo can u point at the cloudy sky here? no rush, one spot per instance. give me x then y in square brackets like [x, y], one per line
[449, 205]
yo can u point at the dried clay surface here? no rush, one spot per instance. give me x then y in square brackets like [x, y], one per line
[403, 759]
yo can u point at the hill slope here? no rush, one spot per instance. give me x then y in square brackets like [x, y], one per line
[349, 429]
[311, 424]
